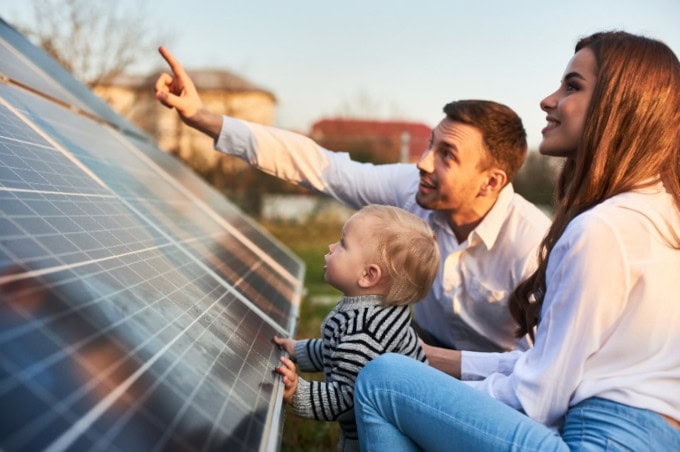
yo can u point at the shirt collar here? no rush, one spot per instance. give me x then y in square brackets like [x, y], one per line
[487, 231]
[359, 302]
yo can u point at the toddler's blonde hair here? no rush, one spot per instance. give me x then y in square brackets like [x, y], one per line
[406, 251]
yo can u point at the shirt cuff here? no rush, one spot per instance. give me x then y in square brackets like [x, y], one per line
[235, 138]
[302, 401]
[479, 365]
[302, 357]
[499, 387]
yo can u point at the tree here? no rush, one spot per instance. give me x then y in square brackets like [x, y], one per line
[537, 178]
[91, 40]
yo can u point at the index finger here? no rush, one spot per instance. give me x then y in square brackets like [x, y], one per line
[289, 364]
[175, 65]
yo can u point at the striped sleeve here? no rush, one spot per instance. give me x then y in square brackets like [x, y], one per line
[370, 333]
[309, 355]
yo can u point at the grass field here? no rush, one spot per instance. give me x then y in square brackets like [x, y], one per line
[310, 243]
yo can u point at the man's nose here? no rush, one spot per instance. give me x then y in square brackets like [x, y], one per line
[426, 161]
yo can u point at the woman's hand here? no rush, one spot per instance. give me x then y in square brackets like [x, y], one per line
[444, 359]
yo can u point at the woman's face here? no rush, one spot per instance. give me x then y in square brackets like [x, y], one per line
[567, 107]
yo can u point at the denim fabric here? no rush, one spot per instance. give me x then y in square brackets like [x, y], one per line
[599, 424]
[403, 405]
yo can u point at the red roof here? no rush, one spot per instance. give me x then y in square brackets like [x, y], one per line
[383, 139]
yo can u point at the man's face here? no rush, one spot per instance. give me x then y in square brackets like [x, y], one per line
[453, 169]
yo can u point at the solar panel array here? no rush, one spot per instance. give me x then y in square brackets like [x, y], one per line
[137, 305]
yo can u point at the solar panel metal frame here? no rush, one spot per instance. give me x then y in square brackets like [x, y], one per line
[113, 269]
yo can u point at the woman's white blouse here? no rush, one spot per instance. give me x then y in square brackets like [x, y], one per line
[610, 322]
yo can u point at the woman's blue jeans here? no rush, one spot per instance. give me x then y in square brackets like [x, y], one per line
[402, 404]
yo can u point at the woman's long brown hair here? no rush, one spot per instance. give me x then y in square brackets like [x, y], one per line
[631, 139]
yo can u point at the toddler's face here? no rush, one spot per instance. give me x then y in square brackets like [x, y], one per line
[348, 258]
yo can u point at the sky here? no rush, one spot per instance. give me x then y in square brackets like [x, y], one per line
[390, 59]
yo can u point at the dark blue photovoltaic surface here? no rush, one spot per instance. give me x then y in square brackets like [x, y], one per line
[137, 305]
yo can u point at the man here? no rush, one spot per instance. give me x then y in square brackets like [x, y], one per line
[488, 235]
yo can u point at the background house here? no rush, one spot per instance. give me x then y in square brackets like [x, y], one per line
[373, 141]
[221, 91]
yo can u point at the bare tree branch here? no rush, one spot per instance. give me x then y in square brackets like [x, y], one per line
[93, 40]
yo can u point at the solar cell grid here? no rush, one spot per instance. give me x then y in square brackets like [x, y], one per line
[16, 66]
[227, 212]
[133, 314]
[32, 67]
[159, 202]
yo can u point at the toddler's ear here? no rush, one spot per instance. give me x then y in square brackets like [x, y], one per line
[371, 276]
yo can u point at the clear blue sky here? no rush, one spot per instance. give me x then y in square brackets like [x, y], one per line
[394, 59]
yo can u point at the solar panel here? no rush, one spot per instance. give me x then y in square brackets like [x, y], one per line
[137, 305]
[32, 68]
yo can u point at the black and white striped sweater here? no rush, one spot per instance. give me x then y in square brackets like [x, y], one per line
[357, 330]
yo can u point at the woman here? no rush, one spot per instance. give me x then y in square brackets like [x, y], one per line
[605, 369]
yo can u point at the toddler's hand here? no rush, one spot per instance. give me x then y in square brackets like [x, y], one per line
[286, 344]
[290, 378]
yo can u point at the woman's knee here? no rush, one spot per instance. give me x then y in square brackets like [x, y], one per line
[384, 362]
[384, 366]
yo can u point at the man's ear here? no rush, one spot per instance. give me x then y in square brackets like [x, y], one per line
[370, 277]
[496, 180]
